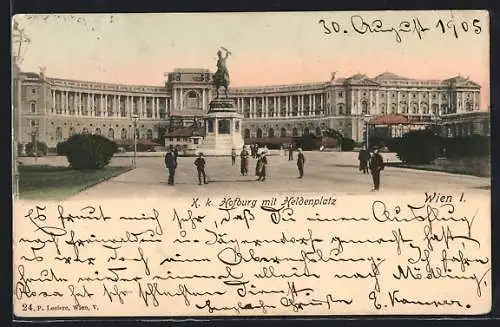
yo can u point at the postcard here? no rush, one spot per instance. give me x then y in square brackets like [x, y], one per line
[251, 164]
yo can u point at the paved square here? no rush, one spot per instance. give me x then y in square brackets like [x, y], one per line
[331, 172]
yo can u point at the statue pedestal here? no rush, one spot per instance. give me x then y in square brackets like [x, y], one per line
[223, 126]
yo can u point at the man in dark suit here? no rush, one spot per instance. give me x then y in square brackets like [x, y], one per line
[200, 167]
[171, 164]
[301, 161]
[376, 165]
[290, 153]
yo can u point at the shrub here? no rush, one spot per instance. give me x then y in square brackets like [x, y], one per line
[87, 151]
[309, 142]
[41, 149]
[467, 146]
[418, 147]
[347, 144]
[393, 144]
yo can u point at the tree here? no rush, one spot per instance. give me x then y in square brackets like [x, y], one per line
[347, 144]
[334, 134]
[41, 149]
[161, 129]
[418, 147]
[87, 151]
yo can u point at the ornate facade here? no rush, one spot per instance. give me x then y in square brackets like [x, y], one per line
[52, 109]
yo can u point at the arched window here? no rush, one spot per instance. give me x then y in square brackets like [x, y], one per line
[59, 134]
[192, 100]
[283, 132]
[270, 132]
[123, 134]
[305, 131]
[340, 108]
[295, 132]
[149, 134]
[364, 107]
[468, 106]
[318, 131]
[425, 107]
[394, 108]
[33, 107]
[259, 133]
[98, 131]
[435, 108]
[71, 131]
[85, 130]
[111, 134]
[247, 133]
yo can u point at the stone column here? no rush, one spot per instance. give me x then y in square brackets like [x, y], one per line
[66, 102]
[216, 126]
[203, 105]
[266, 107]
[54, 100]
[323, 102]
[312, 110]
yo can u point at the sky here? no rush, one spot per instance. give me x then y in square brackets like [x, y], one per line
[266, 48]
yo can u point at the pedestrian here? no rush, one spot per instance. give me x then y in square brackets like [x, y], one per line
[200, 167]
[171, 164]
[260, 169]
[244, 161]
[363, 158]
[376, 165]
[290, 153]
[233, 156]
[301, 161]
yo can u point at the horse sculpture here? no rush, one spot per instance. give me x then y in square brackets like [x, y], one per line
[221, 76]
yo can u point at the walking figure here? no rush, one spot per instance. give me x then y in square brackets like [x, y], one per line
[290, 153]
[260, 169]
[171, 164]
[200, 167]
[376, 165]
[301, 161]
[244, 161]
[233, 157]
[363, 158]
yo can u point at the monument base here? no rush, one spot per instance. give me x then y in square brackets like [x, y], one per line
[223, 129]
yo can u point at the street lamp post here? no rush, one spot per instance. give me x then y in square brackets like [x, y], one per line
[135, 118]
[367, 131]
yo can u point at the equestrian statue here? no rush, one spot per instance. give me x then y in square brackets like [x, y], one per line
[221, 76]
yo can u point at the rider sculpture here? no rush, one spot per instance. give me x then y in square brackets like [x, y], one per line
[221, 76]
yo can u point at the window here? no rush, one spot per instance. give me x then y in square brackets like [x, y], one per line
[123, 134]
[33, 91]
[196, 141]
[259, 133]
[270, 132]
[97, 131]
[149, 134]
[247, 133]
[111, 134]
[178, 139]
[283, 132]
[33, 107]
[171, 139]
[341, 94]
[58, 134]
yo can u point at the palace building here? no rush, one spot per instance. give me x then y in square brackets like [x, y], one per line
[52, 109]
